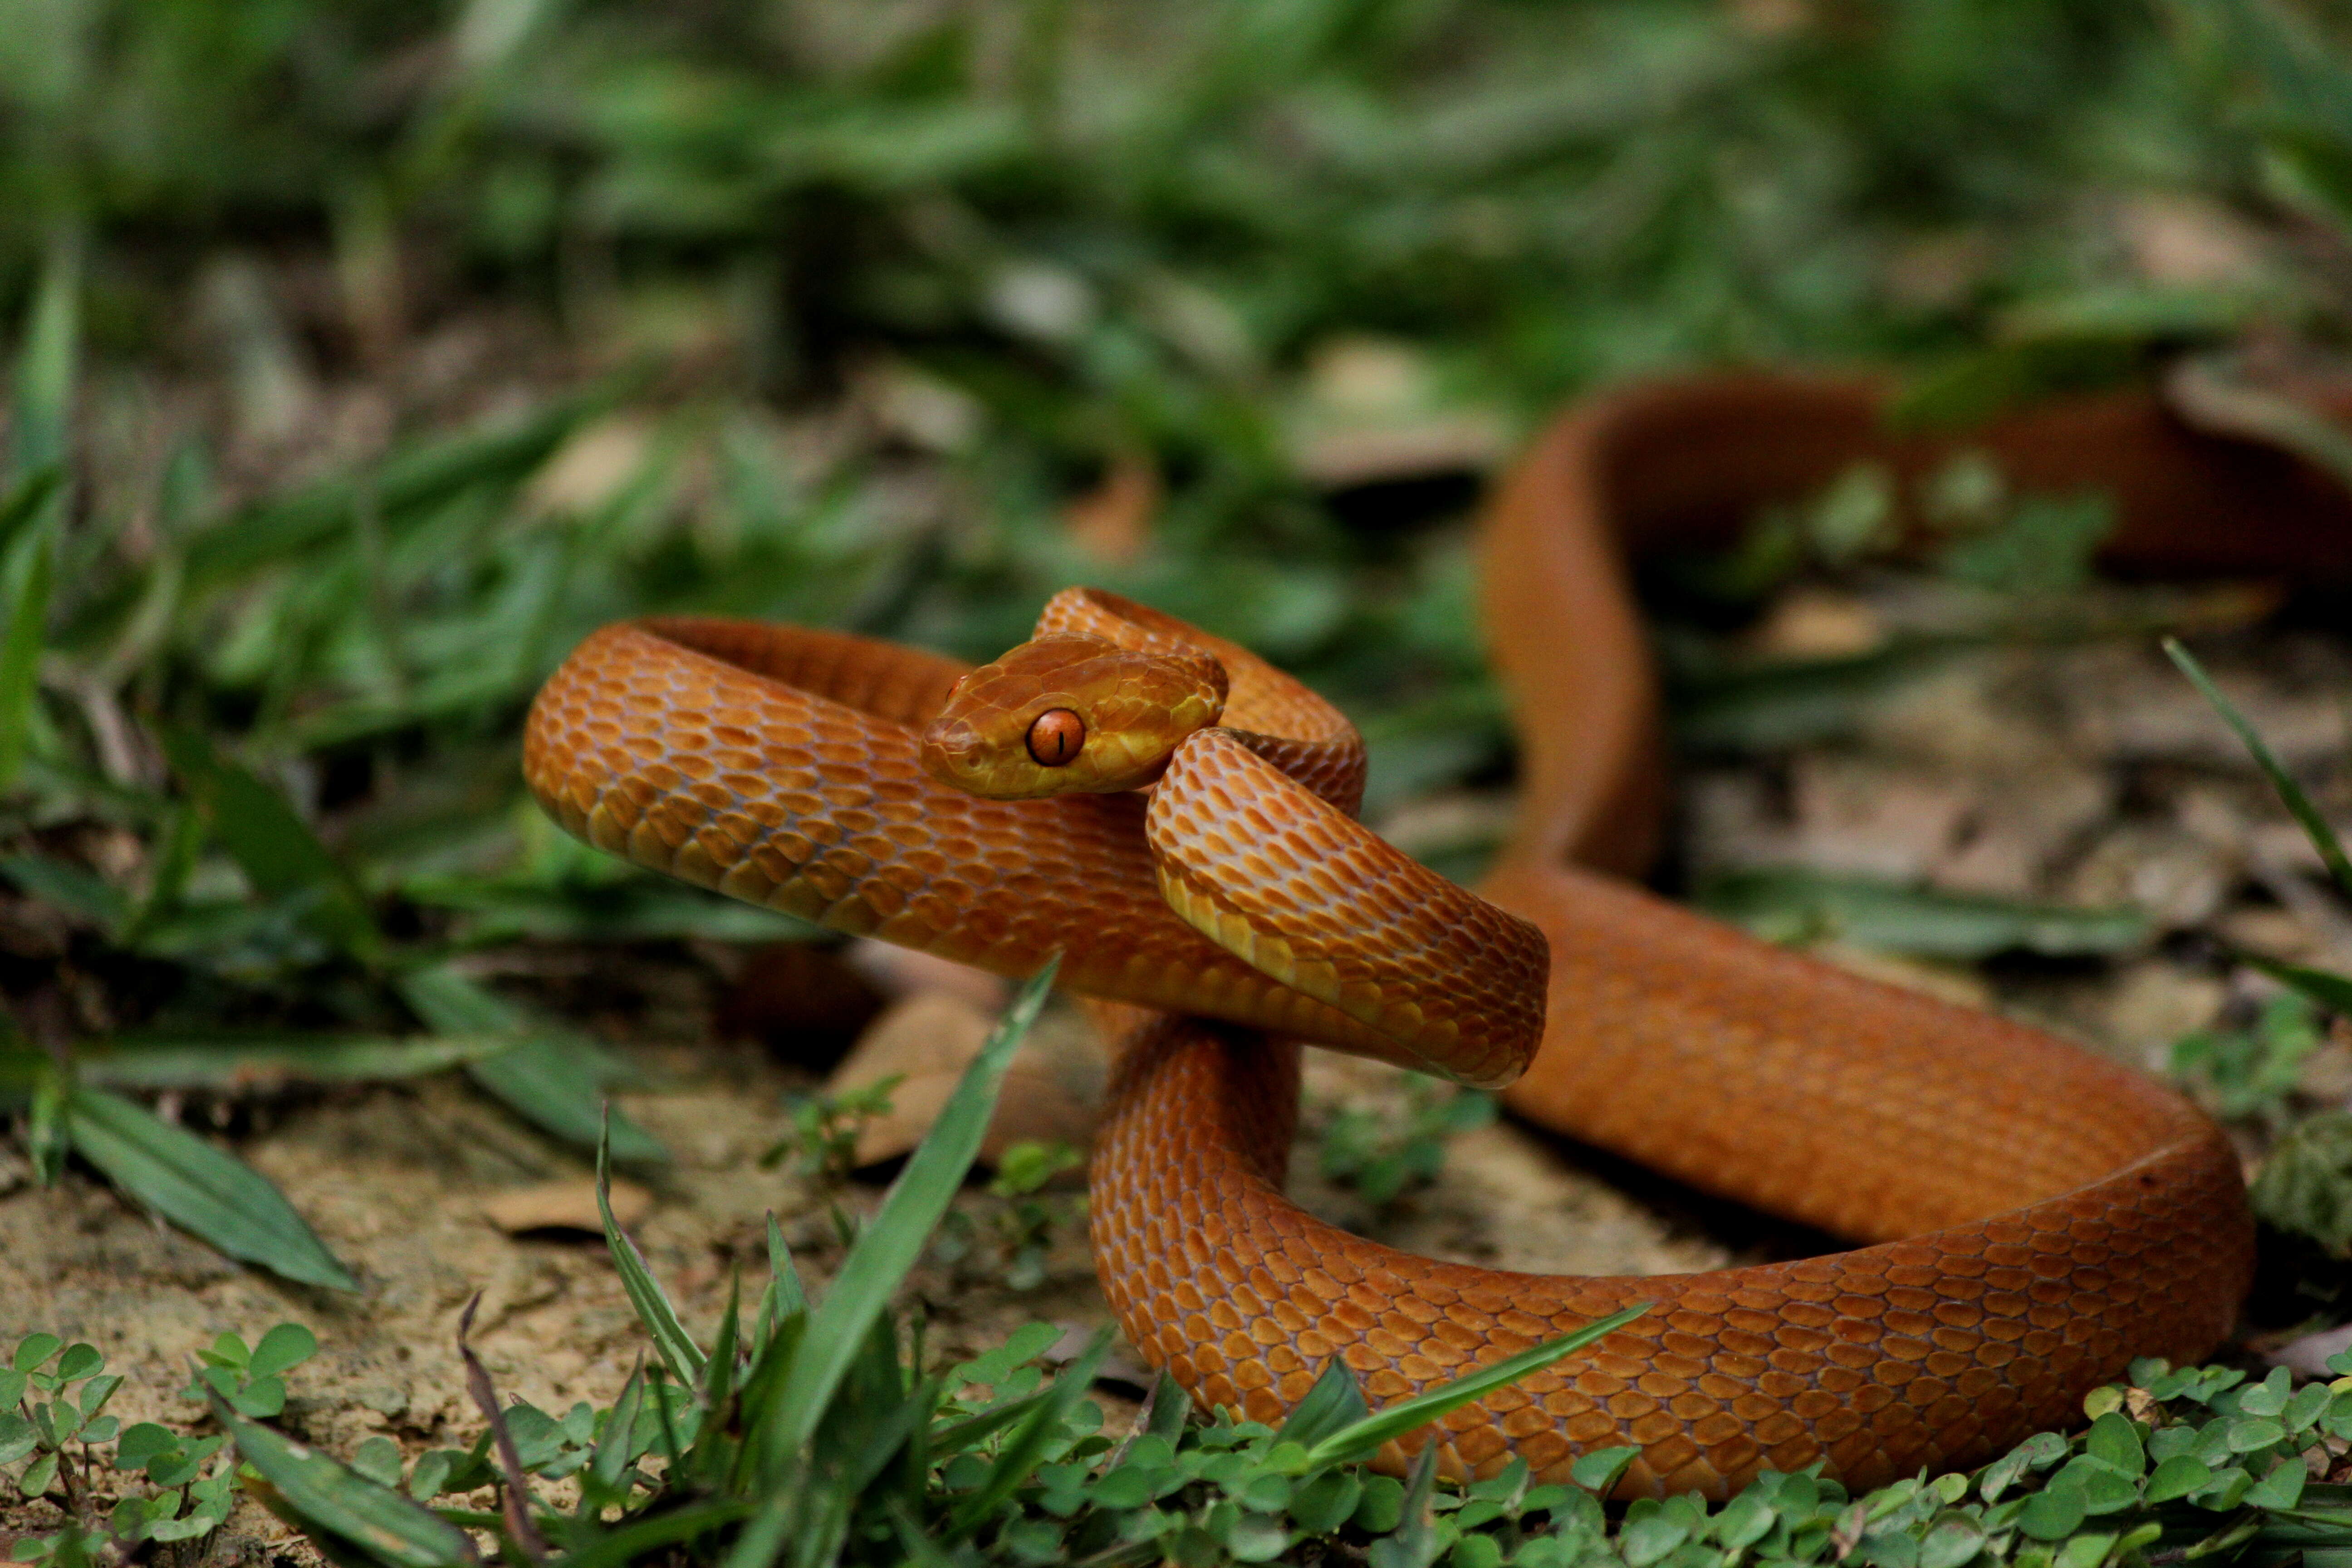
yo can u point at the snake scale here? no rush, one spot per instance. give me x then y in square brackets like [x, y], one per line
[2029, 1216]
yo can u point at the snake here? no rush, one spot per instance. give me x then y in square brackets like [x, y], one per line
[1173, 818]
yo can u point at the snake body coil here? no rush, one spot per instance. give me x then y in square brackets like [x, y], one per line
[2033, 1217]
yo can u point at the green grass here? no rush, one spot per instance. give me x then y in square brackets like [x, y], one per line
[258, 714]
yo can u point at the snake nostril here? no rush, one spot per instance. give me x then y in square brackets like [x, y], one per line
[1055, 736]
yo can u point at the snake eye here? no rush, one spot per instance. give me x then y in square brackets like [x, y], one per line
[1055, 736]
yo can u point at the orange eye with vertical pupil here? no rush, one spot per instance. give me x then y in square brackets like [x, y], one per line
[1055, 736]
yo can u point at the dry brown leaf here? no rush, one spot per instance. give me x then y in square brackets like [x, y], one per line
[898, 973]
[1814, 622]
[927, 1041]
[1112, 522]
[564, 1205]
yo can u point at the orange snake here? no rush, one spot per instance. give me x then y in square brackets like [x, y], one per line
[2032, 1217]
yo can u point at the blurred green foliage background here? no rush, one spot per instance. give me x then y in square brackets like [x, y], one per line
[369, 355]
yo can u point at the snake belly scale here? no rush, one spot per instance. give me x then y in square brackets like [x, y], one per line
[2032, 1217]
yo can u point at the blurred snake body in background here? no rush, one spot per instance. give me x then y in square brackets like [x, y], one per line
[2030, 1217]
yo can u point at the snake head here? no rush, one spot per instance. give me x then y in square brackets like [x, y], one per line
[1070, 715]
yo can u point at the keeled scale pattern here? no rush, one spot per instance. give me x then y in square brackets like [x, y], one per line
[1940, 1350]
[782, 796]
[1303, 893]
[2118, 1228]
[1310, 740]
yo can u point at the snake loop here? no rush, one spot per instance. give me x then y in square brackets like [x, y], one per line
[2033, 1217]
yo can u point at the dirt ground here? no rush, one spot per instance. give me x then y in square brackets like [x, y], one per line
[2087, 776]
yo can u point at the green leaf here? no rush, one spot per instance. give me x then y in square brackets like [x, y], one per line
[272, 844]
[2282, 1489]
[20, 648]
[378, 1461]
[614, 1446]
[323, 1496]
[1951, 1544]
[2115, 1439]
[1024, 1446]
[26, 501]
[2225, 1491]
[1359, 1439]
[413, 478]
[1335, 1403]
[1416, 1540]
[200, 1189]
[1785, 905]
[554, 1077]
[1321, 1504]
[47, 368]
[1382, 1507]
[193, 1060]
[644, 1540]
[889, 1246]
[17, 1437]
[548, 1081]
[1795, 702]
[676, 1346]
[785, 1295]
[69, 887]
[286, 1345]
[2333, 991]
[2269, 1396]
[2053, 1515]
[2251, 1433]
[1645, 1540]
[2176, 1478]
[1597, 1471]
[2314, 827]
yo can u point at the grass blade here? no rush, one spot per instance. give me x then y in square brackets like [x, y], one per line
[27, 500]
[67, 887]
[783, 1296]
[1336, 1403]
[272, 844]
[20, 650]
[679, 1352]
[1416, 1540]
[915, 1543]
[196, 1187]
[599, 1483]
[2333, 991]
[554, 1078]
[643, 1540]
[1788, 904]
[763, 1536]
[408, 481]
[890, 1244]
[2323, 836]
[200, 1061]
[1359, 1440]
[315, 1493]
[550, 1083]
[47, 368]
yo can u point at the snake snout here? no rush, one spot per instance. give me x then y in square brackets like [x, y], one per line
[954, 752]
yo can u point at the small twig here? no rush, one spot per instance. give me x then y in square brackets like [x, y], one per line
[517, 1503]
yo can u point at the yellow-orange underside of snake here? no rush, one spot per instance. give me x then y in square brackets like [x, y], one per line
[2033, 1217]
